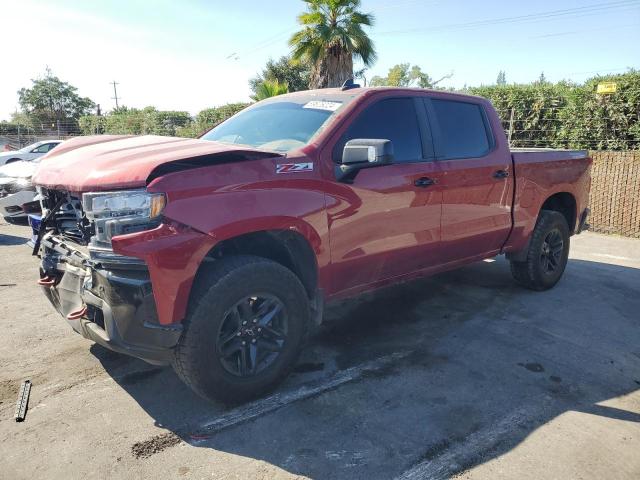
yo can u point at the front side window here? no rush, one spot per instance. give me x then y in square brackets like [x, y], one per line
[463, 131]
[279, 124]
[44, 148]
[392, 119]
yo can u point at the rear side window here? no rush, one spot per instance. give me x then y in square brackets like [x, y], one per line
[463, 131]
[392, 119]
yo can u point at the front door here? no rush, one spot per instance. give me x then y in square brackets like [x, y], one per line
[387, 222]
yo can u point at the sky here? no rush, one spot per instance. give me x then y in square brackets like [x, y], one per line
[194, 54]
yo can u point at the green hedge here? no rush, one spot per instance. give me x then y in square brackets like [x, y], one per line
[560, 115]
[149, 121]
[565, 115]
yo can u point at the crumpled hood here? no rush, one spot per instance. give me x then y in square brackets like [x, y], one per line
[106, 162]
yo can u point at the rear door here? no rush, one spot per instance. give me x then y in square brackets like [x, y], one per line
[477, 183]
[387, 222]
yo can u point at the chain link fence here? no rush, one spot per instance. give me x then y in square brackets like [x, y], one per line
[615, 193]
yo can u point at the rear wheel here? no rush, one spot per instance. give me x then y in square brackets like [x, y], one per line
[246, 324]
[547, 255]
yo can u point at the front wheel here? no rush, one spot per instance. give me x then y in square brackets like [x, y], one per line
[247, 321]
[547, 255]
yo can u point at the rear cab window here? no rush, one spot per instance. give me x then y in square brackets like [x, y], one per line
[461, 129]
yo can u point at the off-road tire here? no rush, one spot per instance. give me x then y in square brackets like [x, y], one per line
[220, 286]
[530, 273]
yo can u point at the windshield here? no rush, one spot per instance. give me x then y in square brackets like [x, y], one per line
[278, 125]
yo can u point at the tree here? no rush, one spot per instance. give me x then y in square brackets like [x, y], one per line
[54, 103]
[541, 79]
[294, 74]
[361, 74]
[210, 117]
[405, 75]
[331, 37]
[269, 88]
[502, 78]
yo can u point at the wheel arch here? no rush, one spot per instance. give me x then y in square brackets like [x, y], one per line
[288, 247]
[564, 203]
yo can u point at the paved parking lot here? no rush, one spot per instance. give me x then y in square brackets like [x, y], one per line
[462, 374]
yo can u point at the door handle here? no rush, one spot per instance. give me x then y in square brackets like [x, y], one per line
[500, 174]
[424, 182]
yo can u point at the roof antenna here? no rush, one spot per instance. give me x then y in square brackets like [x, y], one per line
[348, 84]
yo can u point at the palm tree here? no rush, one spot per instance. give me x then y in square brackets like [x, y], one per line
[331, 37]
[269, 88]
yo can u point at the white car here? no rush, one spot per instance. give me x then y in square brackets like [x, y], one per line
[30, 152]
[16, 190]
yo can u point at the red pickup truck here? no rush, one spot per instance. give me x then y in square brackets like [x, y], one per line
[217, 254]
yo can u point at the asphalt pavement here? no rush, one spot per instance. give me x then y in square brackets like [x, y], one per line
[461, 374]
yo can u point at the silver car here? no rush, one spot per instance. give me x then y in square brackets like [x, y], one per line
[30, 152]
[16, 190]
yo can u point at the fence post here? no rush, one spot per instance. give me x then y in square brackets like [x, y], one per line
[511, 126]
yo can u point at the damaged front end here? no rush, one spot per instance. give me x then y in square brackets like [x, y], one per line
[104, 296]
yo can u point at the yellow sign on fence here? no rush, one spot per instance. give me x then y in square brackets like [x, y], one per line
[606, 88]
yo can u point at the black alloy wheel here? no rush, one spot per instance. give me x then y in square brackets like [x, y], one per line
[547, 253]
[247, 322]
[551, 253]
[252, 335]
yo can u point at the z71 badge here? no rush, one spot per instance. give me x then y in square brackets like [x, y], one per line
[294, 167]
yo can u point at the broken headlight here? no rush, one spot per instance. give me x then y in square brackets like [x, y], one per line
[121, 212]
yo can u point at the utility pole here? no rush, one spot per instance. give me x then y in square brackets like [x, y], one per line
[115, 93]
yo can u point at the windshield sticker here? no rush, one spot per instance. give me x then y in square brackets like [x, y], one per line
[323, 105]
[294, 167]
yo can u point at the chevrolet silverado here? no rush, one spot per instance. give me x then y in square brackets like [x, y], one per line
[216, 255]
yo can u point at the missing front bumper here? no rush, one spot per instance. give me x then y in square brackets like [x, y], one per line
[113, 307]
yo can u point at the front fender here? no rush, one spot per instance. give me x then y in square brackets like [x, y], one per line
[173, 252]
[226, 201]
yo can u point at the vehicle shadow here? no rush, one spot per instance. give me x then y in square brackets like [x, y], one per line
[6, 240]
[488, 364]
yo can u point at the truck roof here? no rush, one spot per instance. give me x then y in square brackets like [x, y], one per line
[360, 91]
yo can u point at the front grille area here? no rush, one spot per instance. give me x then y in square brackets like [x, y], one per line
[69, 220]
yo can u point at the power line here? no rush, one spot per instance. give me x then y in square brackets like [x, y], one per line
[262, 44]
[585, 30]
[576, 11]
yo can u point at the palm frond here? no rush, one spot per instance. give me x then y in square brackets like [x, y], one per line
[269, 88]
[333, 27]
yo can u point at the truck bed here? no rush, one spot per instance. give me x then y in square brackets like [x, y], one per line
[528, 155]
[541, 173]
